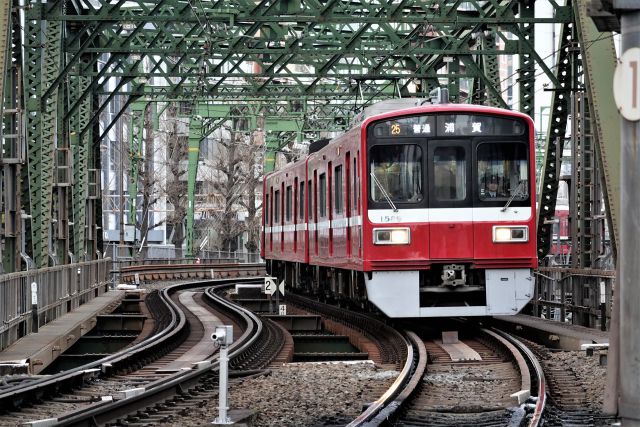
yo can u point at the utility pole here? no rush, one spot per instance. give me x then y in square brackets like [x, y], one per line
[624, 16]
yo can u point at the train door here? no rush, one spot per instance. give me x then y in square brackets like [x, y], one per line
[347, 210]
[450, 200]
[329, 211]
[295, 215]
[317, 213]
[271, 220]
[281, 216]
[357, 203]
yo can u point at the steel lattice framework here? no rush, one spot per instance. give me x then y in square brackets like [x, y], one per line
[303, 65]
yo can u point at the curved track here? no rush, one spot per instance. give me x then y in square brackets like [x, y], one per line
[487, 392]
[118, 384]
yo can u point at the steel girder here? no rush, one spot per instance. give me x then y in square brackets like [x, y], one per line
[5, 37]
[315, 50]
[42, 65]
[586, 62]
[136, 137]
[284, 53]
[80, 145]
[599, 59]
[11, 154]
[555, 139]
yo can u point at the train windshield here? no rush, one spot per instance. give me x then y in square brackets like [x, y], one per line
[398, 172]
[503, 171]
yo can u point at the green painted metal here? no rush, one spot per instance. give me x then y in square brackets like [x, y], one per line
[135, 157]
[42, 66]
[279, 133]
[492, 72]
[555, 140]
[12, 154]
[195, 137]
[599, 59]
[304, 66]
[5, 48]
[205, 118]
[527, 70]
[80, 152]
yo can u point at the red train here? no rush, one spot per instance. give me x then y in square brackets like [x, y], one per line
[422, 210]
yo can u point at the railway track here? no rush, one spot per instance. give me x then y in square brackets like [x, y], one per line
[568, 403]
[431, 389]
[435, 390]
[162, 272]
[124, 383]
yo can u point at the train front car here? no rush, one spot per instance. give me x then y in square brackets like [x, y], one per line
[449, 224]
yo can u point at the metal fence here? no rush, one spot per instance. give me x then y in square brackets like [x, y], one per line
[578, 296]
[59, 289]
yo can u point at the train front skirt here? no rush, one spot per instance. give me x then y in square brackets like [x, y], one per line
[398, 294]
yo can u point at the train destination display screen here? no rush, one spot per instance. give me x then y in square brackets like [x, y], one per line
[443, 125]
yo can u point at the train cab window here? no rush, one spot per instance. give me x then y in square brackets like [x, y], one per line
[503, 171]
[301, 201]
[337, 187]
[396, 173]
[322, 184]
[276, 207]
[450, 173]
[289, 204]
[266, 211]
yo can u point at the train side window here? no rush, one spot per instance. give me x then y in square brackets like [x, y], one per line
[355, 183]
[289, 204]
[337, 188]
[309, 201]
[276, 207]
[266, 211]
[301, 201]
[323, 194]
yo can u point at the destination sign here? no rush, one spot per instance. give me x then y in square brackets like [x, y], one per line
[448, 125]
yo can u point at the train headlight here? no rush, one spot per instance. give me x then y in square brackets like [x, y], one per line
[391, 236]
[508, 234]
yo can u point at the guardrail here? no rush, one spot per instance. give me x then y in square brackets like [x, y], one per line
[59, 290]
[576, 295]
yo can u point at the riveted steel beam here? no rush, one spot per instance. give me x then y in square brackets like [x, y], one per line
[599, 59]
[555, 139]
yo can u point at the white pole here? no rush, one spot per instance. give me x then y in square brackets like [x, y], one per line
[224, 375]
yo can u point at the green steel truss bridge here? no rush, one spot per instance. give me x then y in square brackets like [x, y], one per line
[296, 67]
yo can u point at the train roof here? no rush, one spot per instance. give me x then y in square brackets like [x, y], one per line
[386, 106]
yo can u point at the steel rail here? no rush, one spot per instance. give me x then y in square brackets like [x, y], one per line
[204, 271]
[66, 380]
[383, 409]
[175, 383]
[541, 398]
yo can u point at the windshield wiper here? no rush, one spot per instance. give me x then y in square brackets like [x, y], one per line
[517, 192]
[383, 191]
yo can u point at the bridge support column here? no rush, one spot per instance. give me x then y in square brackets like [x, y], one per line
[628, 266]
